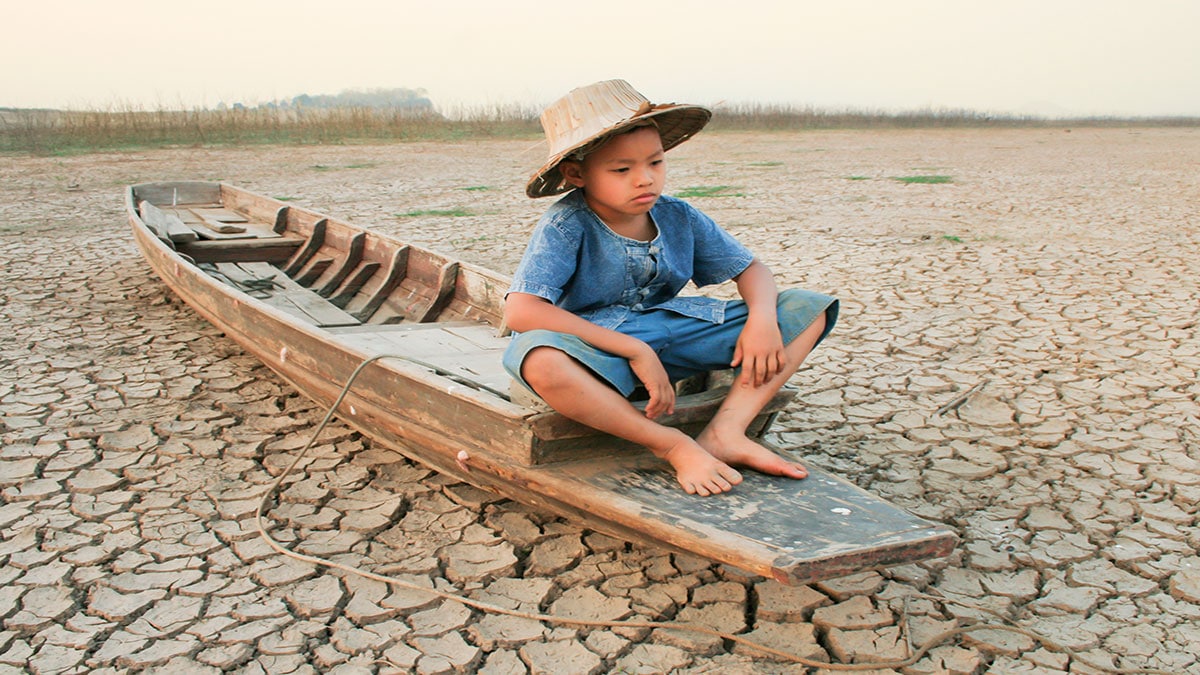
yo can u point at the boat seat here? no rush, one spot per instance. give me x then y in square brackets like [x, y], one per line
[467, 352]
[268, 283]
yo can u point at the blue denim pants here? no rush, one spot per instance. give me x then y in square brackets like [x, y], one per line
[685, 345]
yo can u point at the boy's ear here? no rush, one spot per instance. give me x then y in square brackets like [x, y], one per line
[572, 171]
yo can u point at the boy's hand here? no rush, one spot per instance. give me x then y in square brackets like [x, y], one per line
[759, 352]
[649, 370]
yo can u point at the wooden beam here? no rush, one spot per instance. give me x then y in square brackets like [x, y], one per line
[315, 240]
[313, 272]
[167, 226]
[275, 251]
[396, 273]
[281, 217]
[447, 277]
[347, 292]
[349, 262]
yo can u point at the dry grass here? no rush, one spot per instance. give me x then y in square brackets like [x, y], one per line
[50, 132]
[67, 132]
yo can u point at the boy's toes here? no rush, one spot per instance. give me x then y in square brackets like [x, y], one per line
[797, 471]
[729, 474]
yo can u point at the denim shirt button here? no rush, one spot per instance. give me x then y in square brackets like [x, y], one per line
[638, 307]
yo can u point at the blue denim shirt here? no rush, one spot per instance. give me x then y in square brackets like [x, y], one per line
[576, 262]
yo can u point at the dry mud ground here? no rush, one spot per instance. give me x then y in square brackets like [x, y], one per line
[1057, 273]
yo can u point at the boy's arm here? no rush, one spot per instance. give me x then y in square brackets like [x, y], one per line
[760, 348]
[525, 312]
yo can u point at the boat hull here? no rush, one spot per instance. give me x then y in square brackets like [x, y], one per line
[792, 531]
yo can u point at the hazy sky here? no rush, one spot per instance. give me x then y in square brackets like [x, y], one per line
[1046, 57]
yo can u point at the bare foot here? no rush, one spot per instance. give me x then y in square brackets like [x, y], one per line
[698, 472]
[740, 451]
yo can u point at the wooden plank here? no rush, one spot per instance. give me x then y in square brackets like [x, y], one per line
[804, 530]
[207, 230]
[168, 225]
[275, 251]
[466, 353]
[220, 215]
[222, 228]
[269, 284]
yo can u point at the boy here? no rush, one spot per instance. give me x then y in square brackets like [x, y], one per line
[594, 299]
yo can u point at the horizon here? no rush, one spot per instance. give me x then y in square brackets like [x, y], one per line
[1063, 59]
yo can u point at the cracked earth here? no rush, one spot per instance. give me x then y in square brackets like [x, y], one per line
[1017, 358]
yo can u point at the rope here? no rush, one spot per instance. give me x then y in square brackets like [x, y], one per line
[256, 287]
[920, 653]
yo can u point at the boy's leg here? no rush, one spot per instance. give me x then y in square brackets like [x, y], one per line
[574, 391]
[725, 436]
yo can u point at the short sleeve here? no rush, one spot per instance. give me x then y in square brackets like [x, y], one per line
[718, 256]
[548, 264]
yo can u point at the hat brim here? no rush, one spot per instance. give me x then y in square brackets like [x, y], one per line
[675, 123]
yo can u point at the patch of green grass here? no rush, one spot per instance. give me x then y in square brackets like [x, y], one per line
[467, 241]
[326, 167]
[709, 191]
[933, 179]
[766, 163]
[858, 178]
[475, 188]
[444, 213]
[953, 238]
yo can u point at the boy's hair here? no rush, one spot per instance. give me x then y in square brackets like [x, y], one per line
[587, 117]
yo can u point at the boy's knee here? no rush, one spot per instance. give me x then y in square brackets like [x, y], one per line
[541, 365]
[803, 311]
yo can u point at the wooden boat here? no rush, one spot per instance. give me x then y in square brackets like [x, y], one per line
[313, 297]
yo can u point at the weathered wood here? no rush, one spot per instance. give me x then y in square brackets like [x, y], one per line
[478, 296]
[220, 227]
[269, 284]
[348, 262]
[445, 289]
[354, 283]
[276, 251]
[280, 225]
[805, 530]
[396, 273]
[213, 230]
[467, 354]
[219, 214]
[310, 248]
[313, 271]
[168, 225]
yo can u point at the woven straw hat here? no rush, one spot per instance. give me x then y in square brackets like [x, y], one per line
[586, 117]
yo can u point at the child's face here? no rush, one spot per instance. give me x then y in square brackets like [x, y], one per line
[624, 177]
